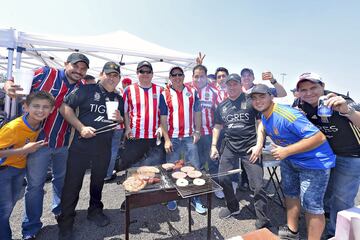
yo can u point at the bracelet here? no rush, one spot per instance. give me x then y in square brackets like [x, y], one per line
[349, 113]
[273, 81]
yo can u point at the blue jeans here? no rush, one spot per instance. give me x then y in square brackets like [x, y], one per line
[204, 146]
[36, 171]
[11, 180]
[307, 184]
[188, 148]
[342, 189]
[115, 145]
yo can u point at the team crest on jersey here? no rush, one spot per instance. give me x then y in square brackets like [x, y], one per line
[188, 94]
[243, 105]
[97, 96]
[276, 131]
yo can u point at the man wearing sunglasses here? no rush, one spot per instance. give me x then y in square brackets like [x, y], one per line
[179, 107]
[90, 147]
[142, 120]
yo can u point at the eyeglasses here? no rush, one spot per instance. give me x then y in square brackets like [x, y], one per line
[145, 72]
[177, 74]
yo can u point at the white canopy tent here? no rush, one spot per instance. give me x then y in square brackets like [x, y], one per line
[35, 50]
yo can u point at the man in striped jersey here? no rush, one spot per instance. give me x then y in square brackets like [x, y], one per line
[59, 82]
[306, 159]
[208, 101]
[142, 119]
[179, 106]
[342, 130]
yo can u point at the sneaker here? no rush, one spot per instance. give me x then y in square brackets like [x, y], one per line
[226, 213]
[66, 235]
[100, 219]
[235, 186]
[220, 194]
[171, 206]
[285, 233]
[197, 204]
[262, 224]
[29, 237]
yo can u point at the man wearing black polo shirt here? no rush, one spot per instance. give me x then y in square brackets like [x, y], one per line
[89, 148]
[342, 130]
[241, 143]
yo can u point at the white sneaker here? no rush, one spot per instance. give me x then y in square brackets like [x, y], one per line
[235, 186]
[220, 194]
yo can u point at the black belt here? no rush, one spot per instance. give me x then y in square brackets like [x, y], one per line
[3, 167]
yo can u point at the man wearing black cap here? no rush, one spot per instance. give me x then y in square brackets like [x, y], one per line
[142, 118]
[239, 119]
[90, 147]
[306, 159]
[59, 82]
[247, 79]
[342, 130]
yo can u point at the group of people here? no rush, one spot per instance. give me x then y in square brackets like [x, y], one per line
[216, 126]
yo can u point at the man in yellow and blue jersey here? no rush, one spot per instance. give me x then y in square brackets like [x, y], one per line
[306, 162]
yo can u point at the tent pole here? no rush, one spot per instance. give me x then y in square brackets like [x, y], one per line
[9, 75]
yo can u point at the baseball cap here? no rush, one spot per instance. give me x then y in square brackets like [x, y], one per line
[126, 81]
[175, 67]
[260, 88]
[309, 76]
[78, 57]
[234, 77]
[111, 67]
[244, 70]
[144, 63]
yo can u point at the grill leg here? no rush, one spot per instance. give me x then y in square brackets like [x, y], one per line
[127, 219]
[209, 198]
[189, 212]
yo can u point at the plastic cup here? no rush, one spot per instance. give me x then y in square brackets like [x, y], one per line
[111, 108]
[23, 78]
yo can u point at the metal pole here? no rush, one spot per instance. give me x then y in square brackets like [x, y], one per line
[283, 78]
[9, 75]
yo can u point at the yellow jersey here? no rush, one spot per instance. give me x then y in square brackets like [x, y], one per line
[16, 134]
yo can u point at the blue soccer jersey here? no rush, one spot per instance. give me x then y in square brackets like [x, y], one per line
[286, 126]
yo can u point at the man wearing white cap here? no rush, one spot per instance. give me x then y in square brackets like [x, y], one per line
[342, 130]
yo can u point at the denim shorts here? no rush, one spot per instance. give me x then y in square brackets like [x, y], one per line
[307, 184]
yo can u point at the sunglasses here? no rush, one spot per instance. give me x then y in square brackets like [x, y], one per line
[177, 74]
[145, 72]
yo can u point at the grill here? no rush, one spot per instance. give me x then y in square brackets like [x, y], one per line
[167, 183]
[192, 189]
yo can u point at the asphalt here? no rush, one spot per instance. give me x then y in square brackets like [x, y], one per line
[153, 222]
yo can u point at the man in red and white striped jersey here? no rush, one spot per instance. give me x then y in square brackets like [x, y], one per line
[142, 119]
[221, 74]
[179, 106]
[208, 102]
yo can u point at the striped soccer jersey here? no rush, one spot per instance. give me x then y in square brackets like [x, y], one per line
[142, 105]
[55, 82]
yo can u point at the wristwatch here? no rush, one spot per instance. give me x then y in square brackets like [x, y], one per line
[349, 113]
[273, 81]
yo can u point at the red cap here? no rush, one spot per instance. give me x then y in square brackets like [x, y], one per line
[126, 81]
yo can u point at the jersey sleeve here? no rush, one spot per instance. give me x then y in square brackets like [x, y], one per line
[39, 76]
[7, 137]
[217, 116]
[197, 106]
[162, 106]
[76, 97]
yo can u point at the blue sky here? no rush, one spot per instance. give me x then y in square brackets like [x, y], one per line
[283, 36]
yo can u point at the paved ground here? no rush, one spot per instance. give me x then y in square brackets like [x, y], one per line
[154, 222]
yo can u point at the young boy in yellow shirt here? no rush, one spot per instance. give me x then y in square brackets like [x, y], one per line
[17, 139]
